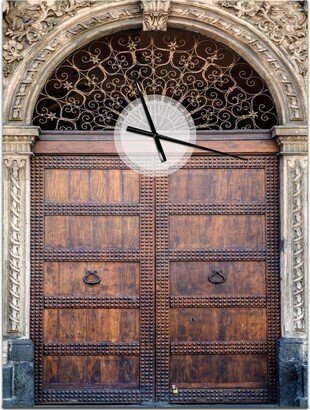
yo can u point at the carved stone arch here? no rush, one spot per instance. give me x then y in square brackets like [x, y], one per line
[286, 85]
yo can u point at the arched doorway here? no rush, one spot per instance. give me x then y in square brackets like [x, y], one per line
[187, 307]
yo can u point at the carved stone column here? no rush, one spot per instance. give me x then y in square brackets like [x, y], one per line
[293, 194]
[17, 142]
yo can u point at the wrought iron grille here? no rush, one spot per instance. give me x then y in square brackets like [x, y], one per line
[91, 87]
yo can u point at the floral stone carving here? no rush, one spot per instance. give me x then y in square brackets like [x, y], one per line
[27, 21]
[284, 22]
[298, 170]
[15, 165]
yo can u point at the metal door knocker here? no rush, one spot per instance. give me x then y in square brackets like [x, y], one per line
[91, 278]
[217, 276]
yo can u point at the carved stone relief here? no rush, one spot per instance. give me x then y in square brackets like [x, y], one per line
[155, 14]
[284, 22]
[293, 151]
[17, 144]
[297, 169]
[27, 21]
[16, 166]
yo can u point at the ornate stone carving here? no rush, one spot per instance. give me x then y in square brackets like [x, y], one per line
[284, 22]
[27, 21]
[15, 166]
[108, 16]
[297, 169]
[195, 14]
[293, 144]
[155, 14]
[17, 142]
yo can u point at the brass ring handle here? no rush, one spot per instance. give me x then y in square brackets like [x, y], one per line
[217, 276]
[91, 278]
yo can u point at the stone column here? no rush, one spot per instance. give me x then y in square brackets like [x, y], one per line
[293, 199]
[18, 371]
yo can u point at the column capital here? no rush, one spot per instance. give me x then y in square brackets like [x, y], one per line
[292, 140]
[18, 140]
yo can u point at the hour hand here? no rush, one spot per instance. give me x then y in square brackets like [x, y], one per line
[159, 147]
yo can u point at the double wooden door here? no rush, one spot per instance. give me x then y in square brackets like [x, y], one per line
[154, 290]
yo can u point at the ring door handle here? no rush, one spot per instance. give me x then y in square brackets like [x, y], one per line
[217, 276]
[91, 278]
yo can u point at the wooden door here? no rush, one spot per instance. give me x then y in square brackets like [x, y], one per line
[218, 281]
[211, 228]
[92, 221]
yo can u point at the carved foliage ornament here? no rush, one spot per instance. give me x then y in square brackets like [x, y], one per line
[15, 166]
[297, 169]
[27, 21]
[155, 14]
[285, 23]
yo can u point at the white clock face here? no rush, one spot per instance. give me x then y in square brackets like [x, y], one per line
[139, 152]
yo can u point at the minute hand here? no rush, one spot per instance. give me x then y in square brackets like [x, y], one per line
[188, 144]
[160, 150]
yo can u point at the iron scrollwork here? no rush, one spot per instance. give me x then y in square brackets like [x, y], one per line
[91, 278]
[94, 84]
[217, 276]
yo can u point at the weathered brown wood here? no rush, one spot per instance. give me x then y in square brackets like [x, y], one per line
[217, 186]
[118, 232]
[89, 336]
[215, 215]
[219, 371]
[91, 325]
[222, 324]
[99, 186]
[218, 231]
[117, 279]
[108, 147]
[242, 278]
[91, 371]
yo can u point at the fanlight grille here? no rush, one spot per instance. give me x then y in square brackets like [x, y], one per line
[92, 86]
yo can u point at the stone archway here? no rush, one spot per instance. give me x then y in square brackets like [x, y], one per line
[272, 63]
[36, 46]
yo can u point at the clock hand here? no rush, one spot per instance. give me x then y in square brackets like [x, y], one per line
[160, 150]
[188, 144]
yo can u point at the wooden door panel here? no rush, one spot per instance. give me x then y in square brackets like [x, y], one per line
[93, 342]
[219, 371]
[119, 232]
[217, 231]
[246, 278]
[204, 324]
[117, 279]
[95, 371]
[91, 325]
[216, 339]
[224, 186]
[102, 186]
